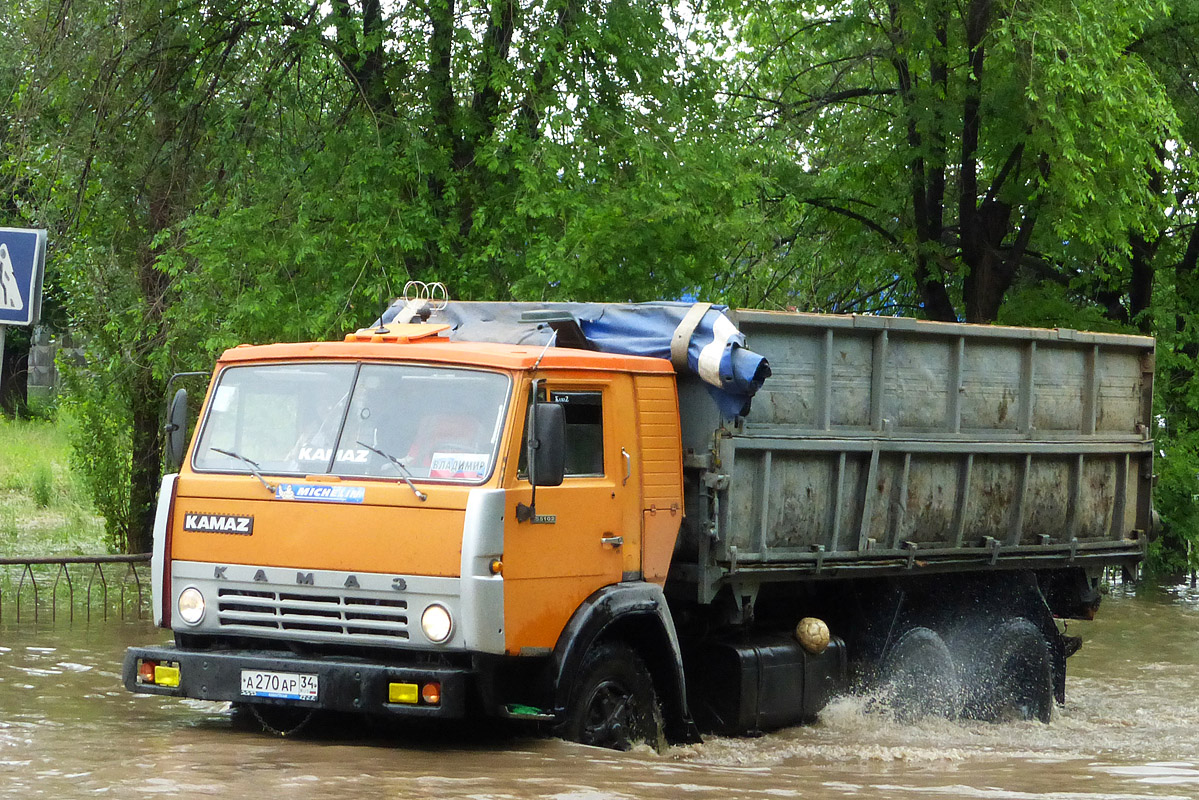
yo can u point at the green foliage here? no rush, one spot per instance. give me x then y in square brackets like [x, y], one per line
[1050, 305]
[261, 171]
[1028, 163]
[99, 433]
[1176, 402]
[43, 486]
[926, 155]
[235, 171]
[44, 508]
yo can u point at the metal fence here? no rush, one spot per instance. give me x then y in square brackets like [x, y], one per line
[34, 589]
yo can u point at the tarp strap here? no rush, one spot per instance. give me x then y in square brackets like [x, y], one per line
[682, 334]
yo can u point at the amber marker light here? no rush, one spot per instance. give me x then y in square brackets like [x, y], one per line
[402, 693]
[431, 693]
[145, 671]
[166, 676]
[496, 566]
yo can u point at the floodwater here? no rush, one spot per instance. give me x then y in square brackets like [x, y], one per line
[1130, 729]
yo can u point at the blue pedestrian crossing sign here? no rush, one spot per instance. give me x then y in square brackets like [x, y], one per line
[22, 266]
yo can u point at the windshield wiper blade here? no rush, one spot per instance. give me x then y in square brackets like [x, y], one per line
[405, 474]
[252, 464]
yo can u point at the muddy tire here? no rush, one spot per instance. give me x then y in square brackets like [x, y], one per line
[1013, 677]
[918, 678]
[613, 703]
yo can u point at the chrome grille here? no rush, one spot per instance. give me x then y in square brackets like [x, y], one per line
[360, 619]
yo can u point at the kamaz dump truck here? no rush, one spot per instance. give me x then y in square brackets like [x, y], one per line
[626, 522]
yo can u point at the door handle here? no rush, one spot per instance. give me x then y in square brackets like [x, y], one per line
[615, 541]
[628, 466]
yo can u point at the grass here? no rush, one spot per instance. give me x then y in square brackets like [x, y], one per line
[44, 508]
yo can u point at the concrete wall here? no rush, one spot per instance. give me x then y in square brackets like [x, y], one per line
[44, 380]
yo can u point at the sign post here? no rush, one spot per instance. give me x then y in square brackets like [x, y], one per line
[22, 269]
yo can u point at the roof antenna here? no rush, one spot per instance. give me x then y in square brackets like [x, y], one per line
[548, 345]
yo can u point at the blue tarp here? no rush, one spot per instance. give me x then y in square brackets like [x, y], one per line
[715, 349]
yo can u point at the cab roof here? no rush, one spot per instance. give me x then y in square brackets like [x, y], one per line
[442, 351]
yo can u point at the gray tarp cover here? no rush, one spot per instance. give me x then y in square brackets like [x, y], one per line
[715, 349]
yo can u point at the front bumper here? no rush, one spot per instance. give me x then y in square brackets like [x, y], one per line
[344, 684]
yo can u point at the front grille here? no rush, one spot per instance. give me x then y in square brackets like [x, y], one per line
[343, 617]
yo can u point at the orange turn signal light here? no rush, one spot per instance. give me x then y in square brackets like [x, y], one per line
[431, 693]
[496, 567]
[145, 671]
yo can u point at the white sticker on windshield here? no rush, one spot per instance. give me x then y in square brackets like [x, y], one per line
[470, 466]
[223, 398]
[322, 454]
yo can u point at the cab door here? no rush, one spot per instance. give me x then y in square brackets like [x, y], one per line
[580, 538]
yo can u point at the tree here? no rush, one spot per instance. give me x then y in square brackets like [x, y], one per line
[1029, 163]
[220, 171]
[946, 151]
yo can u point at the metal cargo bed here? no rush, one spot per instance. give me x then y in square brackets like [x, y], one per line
[892, 445]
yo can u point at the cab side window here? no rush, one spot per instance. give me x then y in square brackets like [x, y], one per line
[584, 431]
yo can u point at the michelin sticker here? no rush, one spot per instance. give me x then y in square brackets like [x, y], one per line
[320, 493]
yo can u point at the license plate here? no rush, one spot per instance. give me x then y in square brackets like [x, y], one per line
[283, 685]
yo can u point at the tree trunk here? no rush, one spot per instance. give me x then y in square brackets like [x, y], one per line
[1140, 289]
[145, 404]
[14, 373]
[984, 288]
[1186, 286]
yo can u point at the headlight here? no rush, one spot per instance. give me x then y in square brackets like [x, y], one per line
[191, 605]
[436, 623]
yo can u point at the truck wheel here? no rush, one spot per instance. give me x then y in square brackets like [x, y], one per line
[613, 703]
[1014, 675]
[919, 678]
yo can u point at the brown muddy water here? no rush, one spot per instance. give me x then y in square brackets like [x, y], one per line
[1128, 730]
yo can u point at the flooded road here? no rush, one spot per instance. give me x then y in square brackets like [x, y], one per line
[1130, 729]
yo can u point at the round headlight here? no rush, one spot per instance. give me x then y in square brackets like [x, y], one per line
[191, 605]
[436, 623]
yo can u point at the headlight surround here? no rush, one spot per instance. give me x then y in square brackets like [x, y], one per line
[437, 623]
[191, 605]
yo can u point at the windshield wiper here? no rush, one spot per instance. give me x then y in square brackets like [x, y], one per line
[406, 475]
[252, 464]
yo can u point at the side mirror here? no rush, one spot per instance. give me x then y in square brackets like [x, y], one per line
[547, 444]
[176, 430]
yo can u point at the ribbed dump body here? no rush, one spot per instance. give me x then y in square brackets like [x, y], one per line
[884, 444]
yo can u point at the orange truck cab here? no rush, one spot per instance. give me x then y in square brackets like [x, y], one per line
[354, 528]
[605, 536]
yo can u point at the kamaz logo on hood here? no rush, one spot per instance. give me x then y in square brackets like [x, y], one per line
[218, 523]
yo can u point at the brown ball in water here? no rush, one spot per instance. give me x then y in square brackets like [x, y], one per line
[812, 634]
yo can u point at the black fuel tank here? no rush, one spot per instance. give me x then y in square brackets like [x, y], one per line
[761, 682]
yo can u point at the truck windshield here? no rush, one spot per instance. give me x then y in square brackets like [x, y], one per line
[439, 423]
